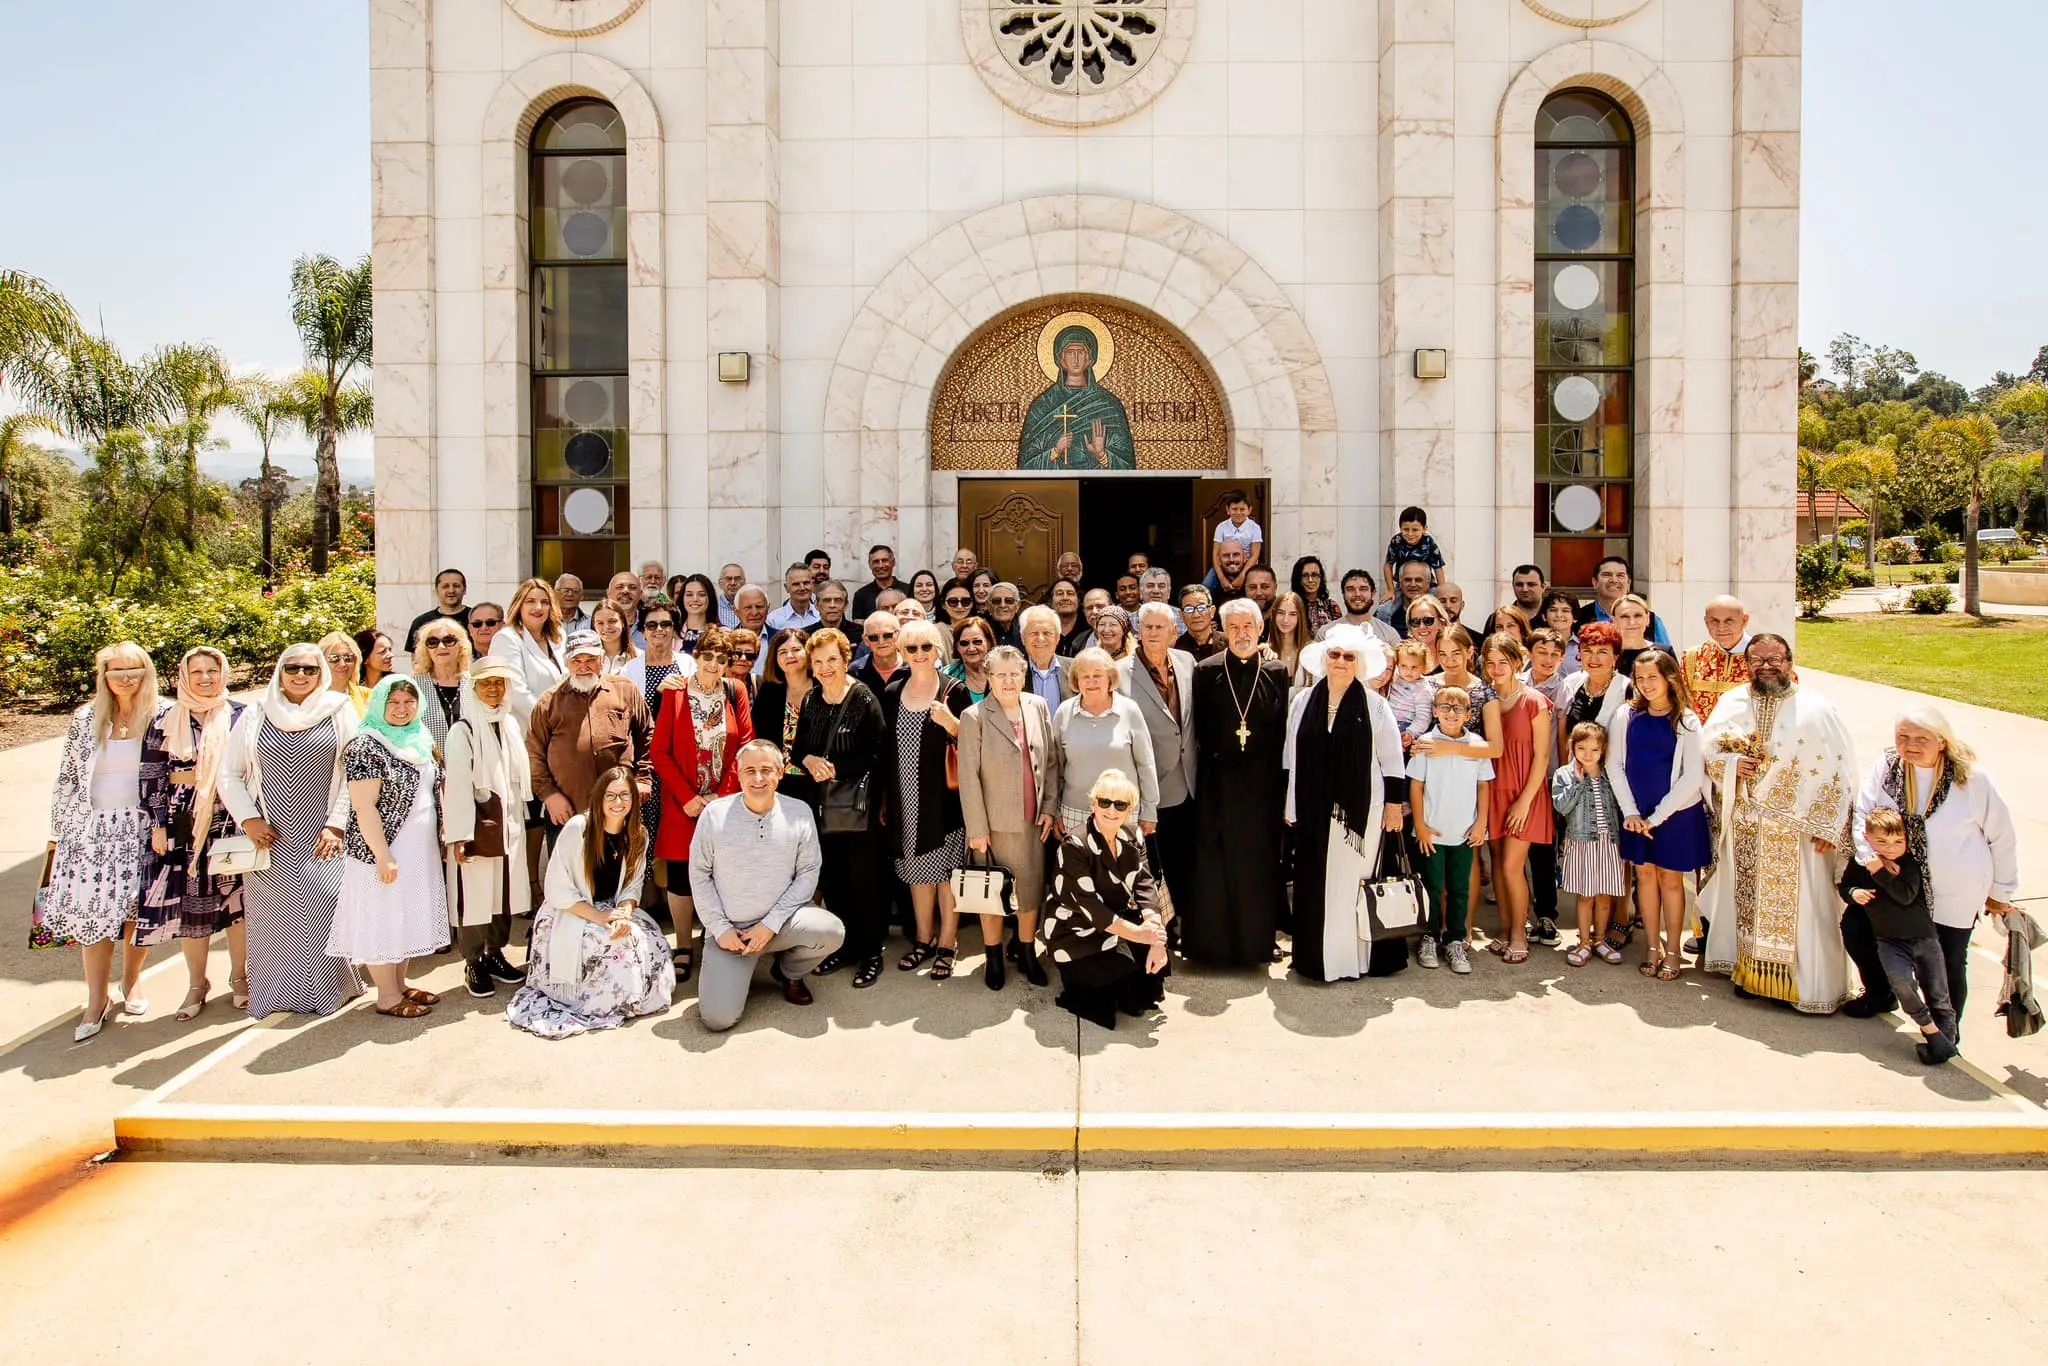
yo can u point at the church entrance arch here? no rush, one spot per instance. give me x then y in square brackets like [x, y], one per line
[1080, 422]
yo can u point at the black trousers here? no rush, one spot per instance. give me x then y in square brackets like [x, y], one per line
[855, 891]
[1955, 950]
[1861, 943]
[1543, 881]
[1171, 848]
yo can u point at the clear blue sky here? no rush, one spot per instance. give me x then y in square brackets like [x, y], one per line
[167, 161]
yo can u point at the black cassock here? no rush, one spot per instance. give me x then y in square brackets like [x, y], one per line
[1239, 892]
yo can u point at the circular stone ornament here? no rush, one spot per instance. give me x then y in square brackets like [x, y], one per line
[1576, 398]
[574, 18]
[587, 511]
[1576, 507]
[1076, 63]
[1576, 288]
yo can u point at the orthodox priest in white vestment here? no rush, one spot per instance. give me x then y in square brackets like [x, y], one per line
[1783, 770]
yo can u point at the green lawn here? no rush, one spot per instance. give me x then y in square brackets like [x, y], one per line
[1998, 662]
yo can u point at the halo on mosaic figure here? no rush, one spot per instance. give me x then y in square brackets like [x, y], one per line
[1105, 347]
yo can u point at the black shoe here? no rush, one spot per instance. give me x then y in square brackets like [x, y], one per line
[1868, 1007]
[1014, 950]
[992, 974]
[1696, 946]
[1034, 971]
[477, 978]
[870, 972]
[1936, 1050]
[1545, 931]
[501, 971]
[833, 962]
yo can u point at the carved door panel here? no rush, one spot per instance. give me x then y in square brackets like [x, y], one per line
[1209, 510]
[1018, 526]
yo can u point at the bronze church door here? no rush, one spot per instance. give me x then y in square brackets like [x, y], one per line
[1018, 527]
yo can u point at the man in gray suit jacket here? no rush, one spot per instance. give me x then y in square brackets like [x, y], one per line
[1045, 672]
[1161, 680]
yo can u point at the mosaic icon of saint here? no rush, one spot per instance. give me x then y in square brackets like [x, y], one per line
[1076, 425]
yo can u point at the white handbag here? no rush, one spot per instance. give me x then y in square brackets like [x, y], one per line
[1391, 907]
[982, 889]
[232, 855]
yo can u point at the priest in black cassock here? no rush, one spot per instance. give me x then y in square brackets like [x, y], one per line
[1240, 715]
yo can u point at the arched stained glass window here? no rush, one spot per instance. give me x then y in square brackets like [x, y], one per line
[1585, 335]
[581, 448]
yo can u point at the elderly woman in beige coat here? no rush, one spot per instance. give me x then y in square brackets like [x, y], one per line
[486, 766]
[1009, 784]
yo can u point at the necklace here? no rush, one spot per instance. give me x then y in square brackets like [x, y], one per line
[1244, 727]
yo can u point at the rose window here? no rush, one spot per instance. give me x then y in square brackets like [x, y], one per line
[1079, 45]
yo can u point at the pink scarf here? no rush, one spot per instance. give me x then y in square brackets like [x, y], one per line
[212, 715]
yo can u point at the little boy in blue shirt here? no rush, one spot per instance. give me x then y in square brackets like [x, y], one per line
[1413, 542]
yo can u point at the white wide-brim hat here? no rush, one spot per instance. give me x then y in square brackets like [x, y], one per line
[1371, 651]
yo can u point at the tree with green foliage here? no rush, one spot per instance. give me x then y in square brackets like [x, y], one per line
[2022, 412]
[90, 390]
[136, 489]
[33, 318]
[200, 386]
[331, 310]
[1963, 446]
[14, 449]
[269, 411]
[1863, 474]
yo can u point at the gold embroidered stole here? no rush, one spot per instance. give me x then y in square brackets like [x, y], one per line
[1766, 838]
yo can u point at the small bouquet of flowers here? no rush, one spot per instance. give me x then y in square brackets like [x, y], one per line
[1744, 745]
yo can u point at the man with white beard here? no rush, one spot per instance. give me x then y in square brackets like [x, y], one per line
[585, 724]
[1784, 777]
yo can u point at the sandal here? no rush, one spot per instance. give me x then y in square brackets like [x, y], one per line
[1668, 970]
[238, 991]
[1580, 956]
[685, 961]
[421, 997]
[195, 1002]
[942, 964]
[407, 1009]
[1649, 966]
[1608, 953]
[919, 951]
[870, 972]
[1514, 956]
[1497, 947]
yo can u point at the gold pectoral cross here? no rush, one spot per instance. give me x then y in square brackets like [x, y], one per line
[1244, 734]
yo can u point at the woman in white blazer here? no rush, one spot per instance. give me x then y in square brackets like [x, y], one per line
[485, 757]
[532, 643]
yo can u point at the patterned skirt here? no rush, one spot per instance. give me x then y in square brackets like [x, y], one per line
[96, 880]
[1592, 868]
[181, 902]
[610, 982]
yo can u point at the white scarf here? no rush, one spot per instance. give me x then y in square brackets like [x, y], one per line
[494, 760]
[292, 716]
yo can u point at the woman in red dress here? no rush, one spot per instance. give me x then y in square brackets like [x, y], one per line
[1521, 814]
[697, 740]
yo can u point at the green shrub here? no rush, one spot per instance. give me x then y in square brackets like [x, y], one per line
[1930, 601]
[1818, 578]
[1929, 540]
[1897, 550]
[1858, 576]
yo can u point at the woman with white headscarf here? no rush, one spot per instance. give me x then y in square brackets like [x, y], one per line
[180, 782]
[281, 780]
[1347, 786]
[1958, 827]
[487, 777]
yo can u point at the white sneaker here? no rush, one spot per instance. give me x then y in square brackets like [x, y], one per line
[1461, 962]
[1425, 952]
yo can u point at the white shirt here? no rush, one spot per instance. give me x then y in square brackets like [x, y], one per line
[1450, 788]
[1247, 535]
[1972, 850]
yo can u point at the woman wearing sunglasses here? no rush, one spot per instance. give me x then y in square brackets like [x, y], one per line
[921, 715]
[956, 605]
[441, 662]
[1105, 929]
[344, 664]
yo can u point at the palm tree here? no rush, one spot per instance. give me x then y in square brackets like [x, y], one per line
[314, 408]
[262, 403]
[200, 386]
[331, 309]
[1966, 444]
[89, 390]
[13, 440]
[33, 316]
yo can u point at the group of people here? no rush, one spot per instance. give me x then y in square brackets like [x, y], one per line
[1124, 775]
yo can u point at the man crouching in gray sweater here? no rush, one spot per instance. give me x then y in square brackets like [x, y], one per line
[753, 865]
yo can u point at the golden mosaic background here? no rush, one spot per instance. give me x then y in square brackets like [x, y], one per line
[1177, 417]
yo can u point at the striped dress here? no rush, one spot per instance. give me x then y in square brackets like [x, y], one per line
[290, 907]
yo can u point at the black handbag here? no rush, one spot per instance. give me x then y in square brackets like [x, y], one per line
[843, 810]
[1393, 906]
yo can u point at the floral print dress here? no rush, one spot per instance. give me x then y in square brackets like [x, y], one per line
[181, 900]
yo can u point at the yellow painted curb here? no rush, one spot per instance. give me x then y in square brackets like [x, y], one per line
[159, 1125]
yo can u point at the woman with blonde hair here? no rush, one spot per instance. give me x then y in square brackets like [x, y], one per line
[99, 828]
[1095, 730]
[532, 642]
[1105, 929]
[440, 664]
[1113, 634]
[1961, 831]
[921, 710]
[839, 745]
[180, 784]
[345, 668]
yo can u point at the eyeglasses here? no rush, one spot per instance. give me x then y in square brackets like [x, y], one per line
[879, 637]
[623, 798]
[476, 625]
[711, 656]
[925, 649]
[1455, 708]
[1425, 621]
[290, 669]
[1111, 804]
[1194, 607]
[1341, 656]
[959, 602]
[443, 642]
[130, 671]
[658, 626]
[1002, 602]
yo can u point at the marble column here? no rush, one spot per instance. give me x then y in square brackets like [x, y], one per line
[1417, 175]
[742, 180]
[402, 266]
[1765, 418]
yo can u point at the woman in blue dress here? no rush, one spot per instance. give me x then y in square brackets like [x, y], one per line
[1659, 776]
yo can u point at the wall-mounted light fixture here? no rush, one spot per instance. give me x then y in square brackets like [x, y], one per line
[733, 367]
[1432, 362]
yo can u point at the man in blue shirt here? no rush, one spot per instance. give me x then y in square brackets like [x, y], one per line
[1611, 583]
[1045, 673]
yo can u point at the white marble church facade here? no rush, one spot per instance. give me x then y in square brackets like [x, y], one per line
[1311, 192]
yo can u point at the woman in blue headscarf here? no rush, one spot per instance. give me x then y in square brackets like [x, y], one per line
[1076, 424]
[394, 898]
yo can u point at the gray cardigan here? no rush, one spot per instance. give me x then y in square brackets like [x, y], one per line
[1085, 746]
